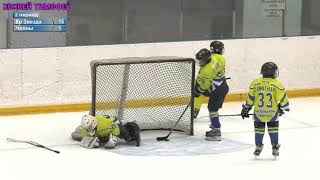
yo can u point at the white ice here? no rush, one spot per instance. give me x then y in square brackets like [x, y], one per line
[183, 157]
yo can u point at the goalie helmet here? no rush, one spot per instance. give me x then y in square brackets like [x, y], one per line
[89, 123]
[217, 47]
[270, 70]
[203, 56]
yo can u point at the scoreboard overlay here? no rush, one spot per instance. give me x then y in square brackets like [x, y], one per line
[32, 22]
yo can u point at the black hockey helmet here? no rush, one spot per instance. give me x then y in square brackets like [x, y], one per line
[269, 70]
[203, 56]
[217, 47]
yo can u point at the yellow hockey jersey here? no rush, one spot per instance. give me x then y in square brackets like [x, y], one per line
[105, 127]
[212, 73]
[267, 95]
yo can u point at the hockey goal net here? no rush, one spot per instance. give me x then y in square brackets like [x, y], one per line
[153, 91]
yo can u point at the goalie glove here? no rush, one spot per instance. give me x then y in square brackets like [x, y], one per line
[112, 143]
[89, 142]
[134, 132]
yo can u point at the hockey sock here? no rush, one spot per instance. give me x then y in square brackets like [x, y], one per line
[258, 138]
[259, 128]
[214, 117]
[273, 129]
[274, 138]
[198, 101]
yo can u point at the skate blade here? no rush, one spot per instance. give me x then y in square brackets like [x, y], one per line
[256, 157]
[213, 139]
[275, 158]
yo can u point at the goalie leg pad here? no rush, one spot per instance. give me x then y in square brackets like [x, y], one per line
[134, 132]
[76, 135]
[112, 143]
[89, 142]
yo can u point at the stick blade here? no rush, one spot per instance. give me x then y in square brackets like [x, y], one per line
[162, 138]
[11, 140]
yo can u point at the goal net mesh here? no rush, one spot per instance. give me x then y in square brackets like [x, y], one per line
[153, 91]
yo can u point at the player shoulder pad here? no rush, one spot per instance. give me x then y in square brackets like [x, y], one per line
[278, 85]
[254, 83]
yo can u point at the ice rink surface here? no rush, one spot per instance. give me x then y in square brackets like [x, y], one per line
[183, 157]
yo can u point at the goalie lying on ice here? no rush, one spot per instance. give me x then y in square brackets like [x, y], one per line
[103, 131]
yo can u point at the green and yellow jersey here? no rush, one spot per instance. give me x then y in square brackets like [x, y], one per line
[267, 95]
[212, 73]
[105, 126]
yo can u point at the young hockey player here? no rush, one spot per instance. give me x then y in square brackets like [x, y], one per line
[216, 47]
[269, 99]
[103, 131]
[211, 82]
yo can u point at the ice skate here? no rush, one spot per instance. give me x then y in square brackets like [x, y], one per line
[275, 150]
[258, 150]
[213, 135]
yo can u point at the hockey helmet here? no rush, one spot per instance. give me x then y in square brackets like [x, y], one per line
[217, 47]
[270, 70]
[203, 56]
[89, 123]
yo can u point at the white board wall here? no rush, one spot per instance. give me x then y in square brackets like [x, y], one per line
[52, 76]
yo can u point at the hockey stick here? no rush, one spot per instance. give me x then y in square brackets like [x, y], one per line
[32, 143]
[224, 115]
[165, 138]
[227, 115]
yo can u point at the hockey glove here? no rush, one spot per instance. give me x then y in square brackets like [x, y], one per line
[89, 142]
[197, 90]
[245, 111]
[280, 112]
[206, 93]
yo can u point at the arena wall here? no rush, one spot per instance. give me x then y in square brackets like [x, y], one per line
[58, 79]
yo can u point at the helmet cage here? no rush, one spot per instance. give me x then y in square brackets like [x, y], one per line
[90, 124]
